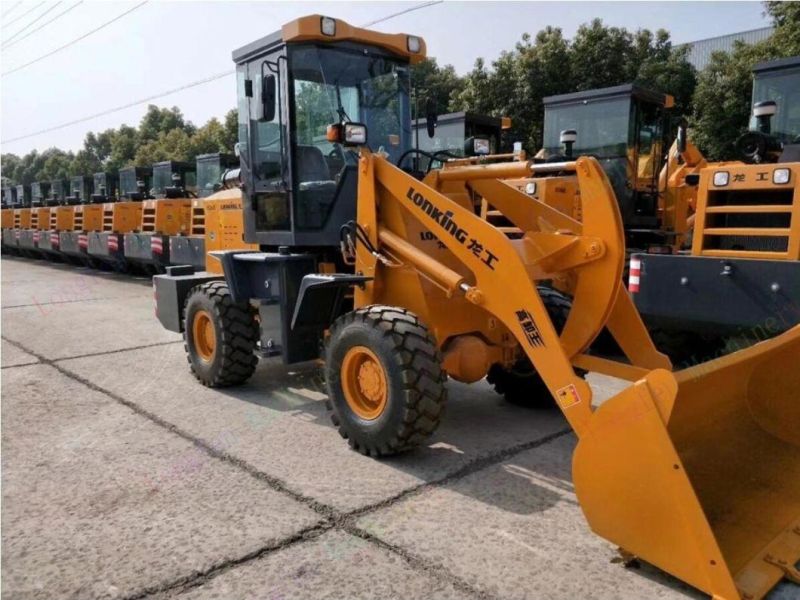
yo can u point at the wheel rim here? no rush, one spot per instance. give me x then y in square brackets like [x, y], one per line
[364, 383]
[205, 338]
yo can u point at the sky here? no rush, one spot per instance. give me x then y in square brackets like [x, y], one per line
[164, 45]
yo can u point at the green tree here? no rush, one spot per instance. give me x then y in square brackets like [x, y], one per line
[162, 120]
[231, 124]
[434, 87]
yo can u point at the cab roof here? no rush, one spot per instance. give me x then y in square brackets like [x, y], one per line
[309, 28]
[776, 65]
[628, 89]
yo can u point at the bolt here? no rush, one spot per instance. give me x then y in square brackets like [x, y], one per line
[775, 287]
[684, 281]
[266, 283]
[727, 270]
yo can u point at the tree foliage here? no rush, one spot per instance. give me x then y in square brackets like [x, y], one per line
[549, 64]
[162, 134]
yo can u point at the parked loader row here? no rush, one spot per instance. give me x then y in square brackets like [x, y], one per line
[134, 220]
[401, 267]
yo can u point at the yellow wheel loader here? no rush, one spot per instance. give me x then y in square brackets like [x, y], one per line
[215, 216]
[165, 214]
[88, 218]
[696, 471]
[120, 216]
[23, 216]
[7, 222]
[27, 239]
[740, 281]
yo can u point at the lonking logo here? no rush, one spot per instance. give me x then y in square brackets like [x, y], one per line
[444, 218]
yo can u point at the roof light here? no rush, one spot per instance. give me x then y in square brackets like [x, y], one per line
[414, 44]
[568, 135]
[765, 109]
[781, 176]
[328, 26]
[480, 146]
[721, 178]
[530, 188]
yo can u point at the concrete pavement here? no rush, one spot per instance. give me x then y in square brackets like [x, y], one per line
[125, 478]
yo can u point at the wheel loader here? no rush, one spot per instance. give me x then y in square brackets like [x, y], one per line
[28, 239]
[7, 223]
[88, 219]
[403, 285]
[165, 214]
[120, 217]
[216, 215]
[21, 203]
[745, 245]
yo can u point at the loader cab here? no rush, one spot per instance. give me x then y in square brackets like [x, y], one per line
[59, 190]
[774, 132]
[39, 193]
[299, 188]
[460, 134]
[778, 81]
[23, 196]
[81, 188]
[105, 187]
[134, 183]
[210, 169]
[626, 127]
[173, 179]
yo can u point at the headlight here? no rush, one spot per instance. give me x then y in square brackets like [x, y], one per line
[414, 44]
[328, 26]
[721, 178]
[481, 146]
[355, 134]
[530, 188]
[781, 176]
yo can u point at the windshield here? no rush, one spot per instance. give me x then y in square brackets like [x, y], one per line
[602, 127]
[127, 182]
[339, 85]
[208, 176]
[782, 87]
[162, 179]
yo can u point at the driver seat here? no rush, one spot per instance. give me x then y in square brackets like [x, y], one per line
[312, 169]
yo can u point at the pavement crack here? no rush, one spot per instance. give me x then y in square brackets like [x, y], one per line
[41, 304]
[199, 578]
[331, 517]
[118, 351]
[418, 563]
[473, 466]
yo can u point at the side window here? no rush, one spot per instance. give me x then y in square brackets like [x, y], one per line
[267, 137]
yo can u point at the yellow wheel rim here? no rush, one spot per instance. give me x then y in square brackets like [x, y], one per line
[364, 383]
[205, 338]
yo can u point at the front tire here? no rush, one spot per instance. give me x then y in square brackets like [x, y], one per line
[521, 384]
[385, 382]
[219, 336]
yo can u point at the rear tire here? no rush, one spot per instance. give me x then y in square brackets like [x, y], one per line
[521, 384]
[385, 382]
[219, 336]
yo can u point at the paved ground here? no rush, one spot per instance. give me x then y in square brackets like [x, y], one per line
[124, 478]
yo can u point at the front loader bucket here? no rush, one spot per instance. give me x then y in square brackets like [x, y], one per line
[698, 472]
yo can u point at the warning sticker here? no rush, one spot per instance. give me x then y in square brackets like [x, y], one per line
[568, 396]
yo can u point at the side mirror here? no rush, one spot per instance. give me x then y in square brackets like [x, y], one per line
[430, 119]
[268, 88]
[681, 137]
